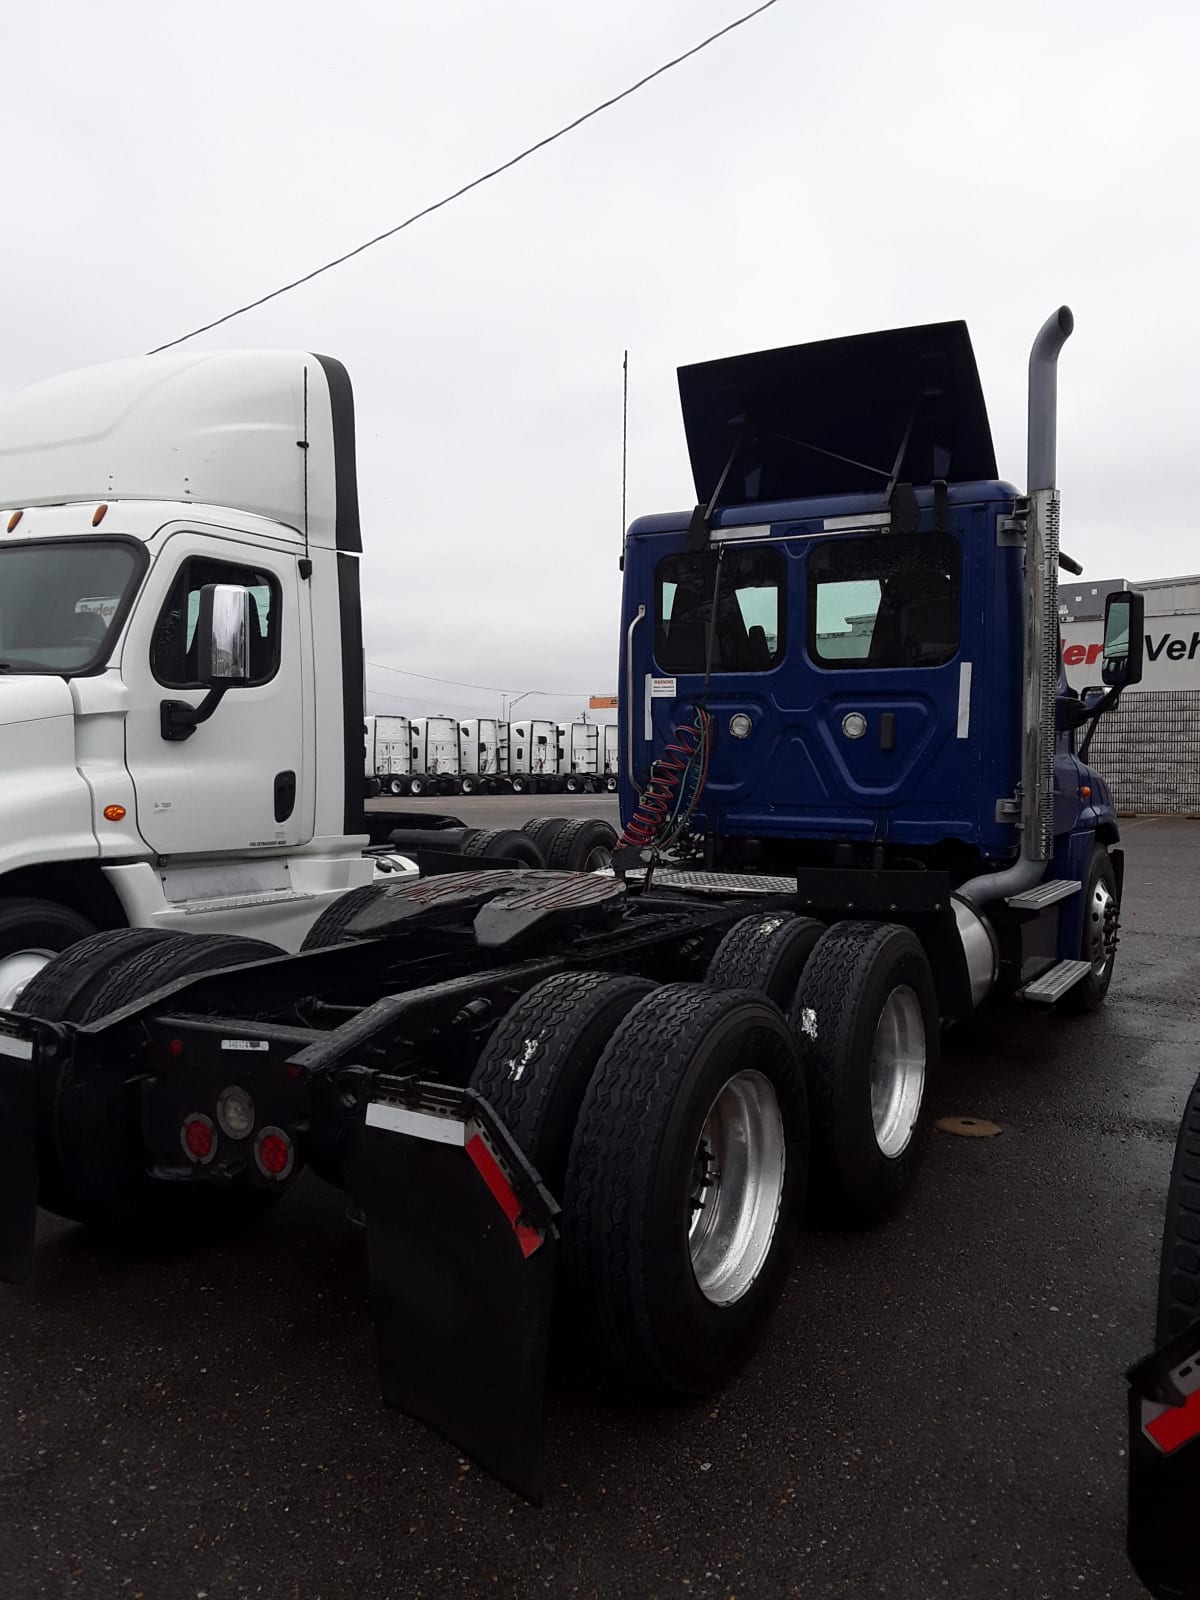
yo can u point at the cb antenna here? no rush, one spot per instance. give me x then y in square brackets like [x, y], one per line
[624, 448]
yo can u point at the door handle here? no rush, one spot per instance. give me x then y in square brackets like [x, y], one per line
[641, 612]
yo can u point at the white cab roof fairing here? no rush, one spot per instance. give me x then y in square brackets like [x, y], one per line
[221, 428]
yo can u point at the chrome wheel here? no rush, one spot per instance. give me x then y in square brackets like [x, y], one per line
[737, 1185]
[598, 859]
[16, 969]
[897, 1070]
[1100, 932]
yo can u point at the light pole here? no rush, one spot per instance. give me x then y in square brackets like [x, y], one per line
[514, 701]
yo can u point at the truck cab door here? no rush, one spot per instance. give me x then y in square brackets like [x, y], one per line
[245, 779]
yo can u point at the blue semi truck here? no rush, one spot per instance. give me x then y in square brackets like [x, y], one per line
[855, 805]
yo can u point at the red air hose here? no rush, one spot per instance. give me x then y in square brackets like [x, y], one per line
[659, 796]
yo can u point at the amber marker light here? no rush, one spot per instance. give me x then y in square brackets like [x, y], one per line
[98, 515]
[114, 813]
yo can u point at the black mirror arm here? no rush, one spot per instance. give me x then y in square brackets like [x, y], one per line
[179, 720]
[1094, 715]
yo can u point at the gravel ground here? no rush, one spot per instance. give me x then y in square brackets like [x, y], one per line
[938, 1409]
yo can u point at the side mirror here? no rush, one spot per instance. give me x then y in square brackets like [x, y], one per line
[223, 623]
[1124, 638]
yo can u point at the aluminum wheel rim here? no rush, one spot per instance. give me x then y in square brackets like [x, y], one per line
[598, 859]
[736, 1188]
[16, 970]
[1101, 914]
[897, 1070]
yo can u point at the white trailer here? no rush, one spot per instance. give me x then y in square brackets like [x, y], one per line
[579, 756]
[483, 755]
[610, 742]
[533, 756]
[389, 752]
[435, 757]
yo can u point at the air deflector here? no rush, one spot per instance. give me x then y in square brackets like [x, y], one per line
[841, 416]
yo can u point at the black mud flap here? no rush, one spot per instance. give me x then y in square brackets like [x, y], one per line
[1164, 1468]
[18, 1149]
[461, 1240]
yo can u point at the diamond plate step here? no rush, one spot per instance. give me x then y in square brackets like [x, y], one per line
[1044, 894]
[1052, 985]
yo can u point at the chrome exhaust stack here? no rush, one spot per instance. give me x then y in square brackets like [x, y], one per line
[1041, 626]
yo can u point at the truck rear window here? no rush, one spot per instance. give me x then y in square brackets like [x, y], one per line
[893, 600]
[749, 631]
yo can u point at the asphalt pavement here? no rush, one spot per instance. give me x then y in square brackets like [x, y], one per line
[938, 1409]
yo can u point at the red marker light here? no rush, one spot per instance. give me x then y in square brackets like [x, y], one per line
[175, 1047]
[199, 1137]
[274, 1153]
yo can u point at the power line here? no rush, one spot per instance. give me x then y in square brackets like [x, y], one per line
[474, 183]
[492, 688]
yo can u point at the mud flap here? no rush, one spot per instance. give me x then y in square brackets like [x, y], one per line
[1164, 1468]
[461, 1241]
[18, 1151]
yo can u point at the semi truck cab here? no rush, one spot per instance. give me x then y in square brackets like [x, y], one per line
[859, 623]
[139, 790]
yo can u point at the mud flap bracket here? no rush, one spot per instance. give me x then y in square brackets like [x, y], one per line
[461, 1242]
[18, 1149]
[1164, 1467]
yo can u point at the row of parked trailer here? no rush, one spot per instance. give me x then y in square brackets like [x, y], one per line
[484, 755]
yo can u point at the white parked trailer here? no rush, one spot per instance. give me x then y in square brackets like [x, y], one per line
[388, 743]
[610, 741]
[435, 760]
[483, 754]
[578, 754]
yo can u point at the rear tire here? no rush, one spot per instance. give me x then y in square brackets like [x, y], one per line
[1179, 1272]
[89, 1151]
[543, 831]
[520, 785]
[677, 1301]
[467, 785]
[504, 844]
[418, 785]
[32, 933]
[395, 786]
[866, 1017]
[537, 1064]
[582, 845]
[330, 926]
[766, 951]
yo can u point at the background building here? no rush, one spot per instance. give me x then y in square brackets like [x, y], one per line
[1149, 747]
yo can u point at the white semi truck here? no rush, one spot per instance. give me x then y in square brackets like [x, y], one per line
[388, 747]
[146, 506]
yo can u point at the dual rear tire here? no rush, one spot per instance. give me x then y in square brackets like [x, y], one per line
[90, 1165]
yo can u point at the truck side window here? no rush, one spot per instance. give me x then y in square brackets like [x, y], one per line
[173, 653]
[749, 631]
[893, 600]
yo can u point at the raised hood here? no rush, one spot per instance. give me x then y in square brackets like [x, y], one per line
[841, 416]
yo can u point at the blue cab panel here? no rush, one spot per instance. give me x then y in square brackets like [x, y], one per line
[879, 672]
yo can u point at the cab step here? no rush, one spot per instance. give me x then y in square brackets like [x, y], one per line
[1044, 894]
[1052, 985]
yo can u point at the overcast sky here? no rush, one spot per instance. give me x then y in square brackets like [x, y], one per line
[828, 169]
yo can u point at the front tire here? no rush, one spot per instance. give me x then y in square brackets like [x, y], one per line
[683, 1185]
[866, 1017]
[32, 933]
[1101, 915]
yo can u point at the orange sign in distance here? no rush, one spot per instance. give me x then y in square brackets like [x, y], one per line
[602, 702]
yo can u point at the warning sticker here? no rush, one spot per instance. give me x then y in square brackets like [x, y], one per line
[245, 1044]
[662, 688]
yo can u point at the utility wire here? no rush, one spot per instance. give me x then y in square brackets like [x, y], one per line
[474, 183]
[492, 688]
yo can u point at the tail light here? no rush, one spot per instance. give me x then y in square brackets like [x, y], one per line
[274, 1153]
[199, 1138]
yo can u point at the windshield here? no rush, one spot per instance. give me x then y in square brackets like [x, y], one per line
[58, 598]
